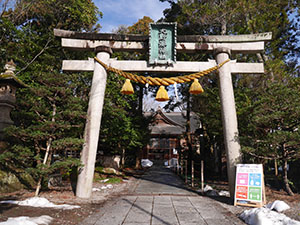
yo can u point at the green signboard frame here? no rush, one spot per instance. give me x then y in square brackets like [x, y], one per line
[162, 43]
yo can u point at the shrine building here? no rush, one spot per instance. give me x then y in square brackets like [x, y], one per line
[167, 134]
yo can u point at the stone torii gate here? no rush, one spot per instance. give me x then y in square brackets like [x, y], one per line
[103, 43]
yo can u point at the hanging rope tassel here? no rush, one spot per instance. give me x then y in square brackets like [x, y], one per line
[162, 94]
[127, 88]
[196, 87]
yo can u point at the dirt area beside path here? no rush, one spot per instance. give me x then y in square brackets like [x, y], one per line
[271, 196]
[66, 217]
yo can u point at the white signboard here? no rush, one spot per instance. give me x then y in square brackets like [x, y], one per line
[249, 184]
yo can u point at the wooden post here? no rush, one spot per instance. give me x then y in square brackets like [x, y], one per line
[186, 173]
[192, 173]
[202, 176]
[92, 127]
[229, 118]
[276, 168]
[169, 161]
[177, 165]
[181, 166]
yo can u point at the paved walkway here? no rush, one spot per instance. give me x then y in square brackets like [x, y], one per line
[161, 181]
[160, 198]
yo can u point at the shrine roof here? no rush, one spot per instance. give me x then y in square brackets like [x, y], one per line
[171, 123]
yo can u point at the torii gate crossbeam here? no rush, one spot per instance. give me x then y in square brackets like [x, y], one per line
[103, 44]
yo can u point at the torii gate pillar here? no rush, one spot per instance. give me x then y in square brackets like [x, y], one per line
[229, 118]
[92, 126]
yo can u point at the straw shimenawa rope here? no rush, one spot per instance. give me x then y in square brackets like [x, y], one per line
[156, 81]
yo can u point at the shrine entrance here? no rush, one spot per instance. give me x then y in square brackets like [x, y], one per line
[162, 48]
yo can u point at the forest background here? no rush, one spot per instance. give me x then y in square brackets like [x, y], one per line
[50, 114]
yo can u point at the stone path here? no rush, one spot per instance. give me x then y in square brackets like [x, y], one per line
[160, 198]
[161, 181]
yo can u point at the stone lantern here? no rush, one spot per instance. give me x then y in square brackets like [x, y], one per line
[8, 86]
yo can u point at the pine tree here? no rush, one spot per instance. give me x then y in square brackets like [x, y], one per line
[50, 115]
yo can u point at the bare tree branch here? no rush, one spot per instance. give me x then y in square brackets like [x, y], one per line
[35, 57]
[263, 157]
[3, 6]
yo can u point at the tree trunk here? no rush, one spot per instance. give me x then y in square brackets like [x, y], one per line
[285, 173]
[39, 184]
[276, 168]
[138, 159]
[48, 149]
[123, 158]
[285, 179]
[223, 27]
[216, 157]
[140, 109]
[188, 132]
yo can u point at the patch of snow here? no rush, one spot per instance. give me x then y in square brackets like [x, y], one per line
[146, 163]
[104, 181]
[278, 205]
[109, 186]
[224, 193]
[96, 189]
[40, 202]
[265, 216]
[25, 220]
[207, 188]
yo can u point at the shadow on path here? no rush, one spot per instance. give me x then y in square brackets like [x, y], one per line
[149, 213]
[161, 180]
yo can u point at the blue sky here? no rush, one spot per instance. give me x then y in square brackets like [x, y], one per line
[128, 12]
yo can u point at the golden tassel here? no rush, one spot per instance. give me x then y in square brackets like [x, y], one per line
[196, 87]
[127, 88]
[162, 94]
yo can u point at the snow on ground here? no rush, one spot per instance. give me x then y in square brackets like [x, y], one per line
[25, 220]
[104, 181]
[209, 191]
[40, 202]
[278, 205]
[146, 163]
[109, 186]
[266, 216]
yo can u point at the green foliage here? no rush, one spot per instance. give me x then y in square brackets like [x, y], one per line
[123, 126]
[274, 122]
[141, 27]
[114, 180]
[50, 113]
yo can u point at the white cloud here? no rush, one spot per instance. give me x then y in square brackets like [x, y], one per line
[128, 12]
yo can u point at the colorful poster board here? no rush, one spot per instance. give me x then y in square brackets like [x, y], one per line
[249, 185]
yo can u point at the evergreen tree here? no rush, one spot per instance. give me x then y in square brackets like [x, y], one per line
[50, 115]
[273, 128]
